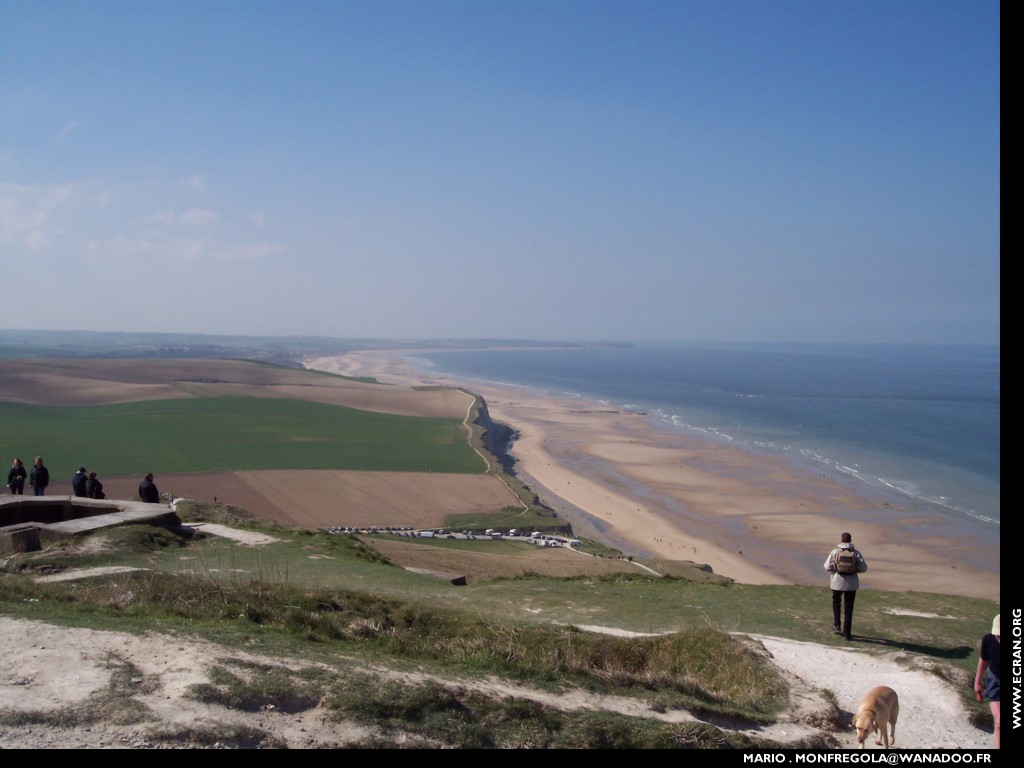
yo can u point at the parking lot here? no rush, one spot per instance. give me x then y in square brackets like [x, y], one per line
[534, 537]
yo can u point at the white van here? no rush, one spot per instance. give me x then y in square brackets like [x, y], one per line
[535, 535]
[426, 534]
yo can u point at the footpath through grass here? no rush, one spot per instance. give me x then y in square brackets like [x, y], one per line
[943, 628]
[700, 669]
[323, 596]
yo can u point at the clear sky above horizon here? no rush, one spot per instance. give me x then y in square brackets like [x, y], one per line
[694, 170]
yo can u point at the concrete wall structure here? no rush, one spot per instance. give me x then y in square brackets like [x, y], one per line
[28, 523]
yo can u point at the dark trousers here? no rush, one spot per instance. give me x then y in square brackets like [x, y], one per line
[39, 490]
[838, 596]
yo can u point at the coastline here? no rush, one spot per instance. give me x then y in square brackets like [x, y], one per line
[653, 492]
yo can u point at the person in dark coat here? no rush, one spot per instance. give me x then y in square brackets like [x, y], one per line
[94, 488]
[148, 491]
[39, 478]
[78, 482]
[16, 477]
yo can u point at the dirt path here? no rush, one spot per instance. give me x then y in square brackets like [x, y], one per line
[47, 669]
[63, 675]
[931, 713]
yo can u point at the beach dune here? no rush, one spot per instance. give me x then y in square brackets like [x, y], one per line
[624, 479]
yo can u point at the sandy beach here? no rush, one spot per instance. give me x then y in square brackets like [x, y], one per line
[652, 492]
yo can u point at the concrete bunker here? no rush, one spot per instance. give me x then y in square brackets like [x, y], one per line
[28, 523]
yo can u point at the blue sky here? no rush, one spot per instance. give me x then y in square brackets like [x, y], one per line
[706, 170]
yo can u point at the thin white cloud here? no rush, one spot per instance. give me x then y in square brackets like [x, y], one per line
[249, 251]
[163, 217]
[66, 130]
[183, 249]
[194, 217]
[198, 217]
[64, 219]
[26, 213]
[195, 183]
[37, 239]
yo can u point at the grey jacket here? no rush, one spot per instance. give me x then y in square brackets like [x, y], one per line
[844, 582]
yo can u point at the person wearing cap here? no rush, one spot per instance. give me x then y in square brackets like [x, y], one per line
[78, 482]
[148, 491]
[844, 586]
[986, 679]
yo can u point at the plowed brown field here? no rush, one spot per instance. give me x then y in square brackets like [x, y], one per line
[99, 382]
[307, 499]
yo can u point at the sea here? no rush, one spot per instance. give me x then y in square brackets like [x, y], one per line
[915, 422]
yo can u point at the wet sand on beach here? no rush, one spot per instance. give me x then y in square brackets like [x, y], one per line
[654, 492]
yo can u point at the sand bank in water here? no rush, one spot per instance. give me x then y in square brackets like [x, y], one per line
[622, 478]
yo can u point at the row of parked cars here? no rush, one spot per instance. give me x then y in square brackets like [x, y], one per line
[403, 531]
[436, 533]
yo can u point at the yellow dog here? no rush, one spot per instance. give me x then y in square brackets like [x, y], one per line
[878, 709]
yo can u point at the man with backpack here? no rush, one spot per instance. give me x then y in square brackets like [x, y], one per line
[844, 563]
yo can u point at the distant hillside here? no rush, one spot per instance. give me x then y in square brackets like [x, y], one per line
[281, 350]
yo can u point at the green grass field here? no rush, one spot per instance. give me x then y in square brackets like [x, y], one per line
[235, 433]
[304, 560]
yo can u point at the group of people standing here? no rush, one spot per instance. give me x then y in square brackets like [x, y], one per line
[83, 484]
[38, 479]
